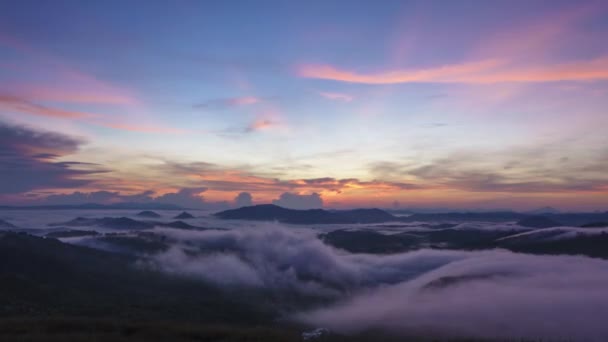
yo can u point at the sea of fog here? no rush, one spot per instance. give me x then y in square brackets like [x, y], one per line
[486, 293]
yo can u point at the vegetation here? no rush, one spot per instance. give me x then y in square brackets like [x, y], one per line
[88, 330]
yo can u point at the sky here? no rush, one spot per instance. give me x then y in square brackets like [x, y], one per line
[398, 104]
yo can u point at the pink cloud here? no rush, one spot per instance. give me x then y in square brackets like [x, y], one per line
[73, 94]
[141, 128]
[488, 71]
[337, 96]
[436, 74]
[242, 101]
[262, 125]
[16, 104]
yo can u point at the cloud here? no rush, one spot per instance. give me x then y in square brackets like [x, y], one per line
[540, 169]
[186, 197]
[145, 128]
[297, 201]
[399, 76]
[492, 294]
[337, 96]
[219, 178]
[101, 197]
[243, 199]
[229, 102]
[20, 105]
[284, 260]
[73, 94]
[16, 104]
[27, 160]
[434, 293]
[480, 72]
[262, 125]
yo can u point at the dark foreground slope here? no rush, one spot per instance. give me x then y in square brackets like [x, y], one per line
[41, 277]
[87, 330]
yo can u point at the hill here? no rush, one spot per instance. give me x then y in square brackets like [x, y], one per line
[271, 212]
[148, 213]
[538, 222]
[43, 277]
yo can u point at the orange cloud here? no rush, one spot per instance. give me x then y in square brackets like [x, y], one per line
[337, 96]
[261, 124]
[487, 71]
[596, 69]
[73, 94]
[142, 128]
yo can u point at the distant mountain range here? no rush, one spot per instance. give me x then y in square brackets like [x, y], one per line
[271, 212]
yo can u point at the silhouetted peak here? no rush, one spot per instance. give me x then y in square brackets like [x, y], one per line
[148, 213]
[538, 222]
[184, 216]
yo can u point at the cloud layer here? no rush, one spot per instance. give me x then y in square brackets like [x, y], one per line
[433, 293]
[28, 160]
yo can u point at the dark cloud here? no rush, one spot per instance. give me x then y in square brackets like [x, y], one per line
[244, 199]
[27, 160]
[297, 201]
[101, 197]
[540, 170]
[185, 197]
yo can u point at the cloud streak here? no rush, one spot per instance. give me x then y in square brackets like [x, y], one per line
[479, 72]
[337, 96]
[229, 102]
[20, 105]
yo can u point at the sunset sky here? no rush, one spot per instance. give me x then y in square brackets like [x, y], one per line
[412, 104]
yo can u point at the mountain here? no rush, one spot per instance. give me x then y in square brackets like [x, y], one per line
[595, 225]
[543, 210]
[4, 224]
[178, 224]
[578, 219]
[148, 213]
[271, 212]
[369, 241]
[491, 216]
[184, 216]
[538, 222]
[71, 233]
[555, 241]
[44, 277]
[106, 222]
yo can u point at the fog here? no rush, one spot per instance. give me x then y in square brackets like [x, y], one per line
[457, 293]
[491, 293]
